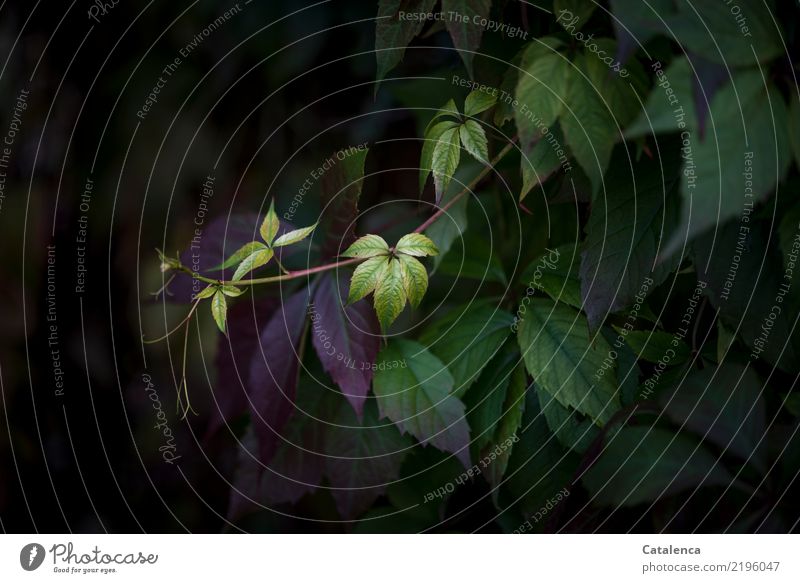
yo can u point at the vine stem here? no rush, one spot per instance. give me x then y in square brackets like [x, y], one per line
[483, 173]
[335, 265]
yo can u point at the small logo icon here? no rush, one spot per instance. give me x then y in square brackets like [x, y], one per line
[31, 556]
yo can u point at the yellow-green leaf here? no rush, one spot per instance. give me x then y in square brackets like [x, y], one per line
[295, 236]
[474, 140]
[415, 279]
[244, 251]
[205, 293]
[232, 290]
[446, 155]
[390, 295]
[366, 277]
[219, 309]
[478, 102]
[416, 244]
[271, 224]
[252, 262]
[428, 146]
[367, 246]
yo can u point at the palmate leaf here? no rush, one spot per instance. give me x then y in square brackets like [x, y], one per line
[253, 261]
[474, 140]
[390, 295]
[417, 245]
[295, 236]
[449, 109]
[269, 228]
[413, 389]
[366, 277]
[446, 155]
[367, 246]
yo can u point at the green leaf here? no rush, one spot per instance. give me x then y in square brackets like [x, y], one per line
[486, 398]
[428, 146]
[505, 436]
[415, 279]
[541, 160]
[413, 389]
[244, 251]
[572, 429]
[466, 30]
[474, 140]
[652, 345]
[219, 309]
[392, 34]
[478, 102]
[269, 228]
[232, 290]
[446, 155]
[206, 292]
[590, 128]
[642, 464]
[367, 246]
[748, 122]
[466, 339]
[539, 467]
[417, 245]
[625, 232]
[556, 273]
[390, 295]
[366, 276]
[251, 262]
[449, 109]
[728, 44]
[295, 236]
[659, 114]
[566, 11]
[565, 361]
[542, 89]
[723, 406]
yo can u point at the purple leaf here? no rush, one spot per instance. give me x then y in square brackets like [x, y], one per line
[346, 340]
[362, 460]
[234, 354]
[273, 372]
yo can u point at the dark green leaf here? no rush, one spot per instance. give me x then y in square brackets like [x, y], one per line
[643, 464]
[413, 389]
[565, 361]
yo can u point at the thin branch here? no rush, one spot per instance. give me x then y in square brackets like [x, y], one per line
[329, 266]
